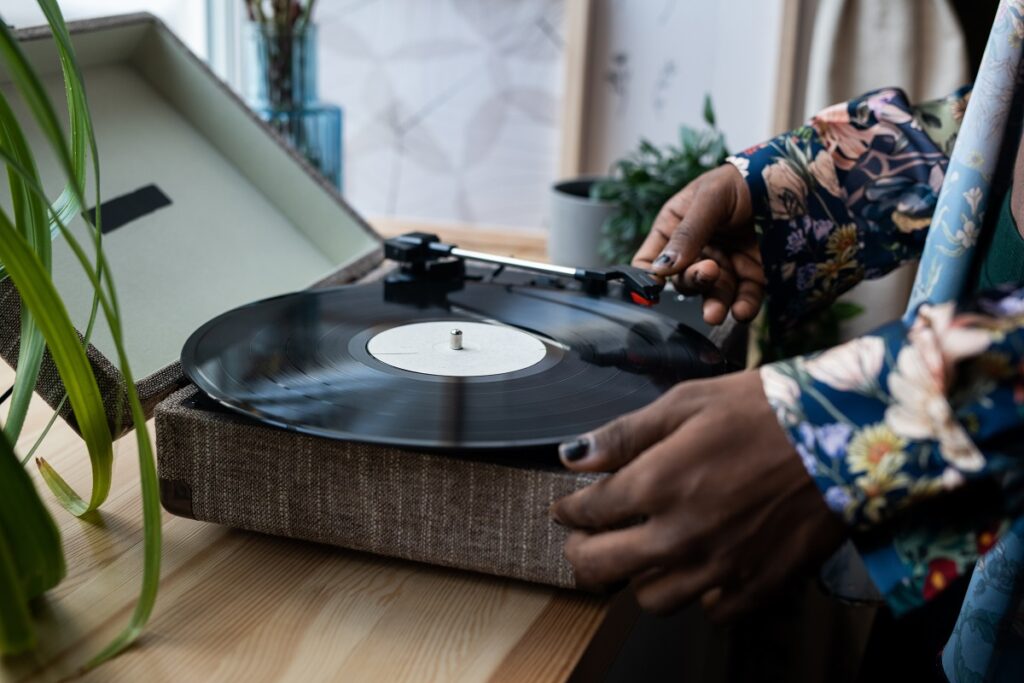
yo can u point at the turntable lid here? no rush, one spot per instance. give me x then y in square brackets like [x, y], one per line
[247, 217]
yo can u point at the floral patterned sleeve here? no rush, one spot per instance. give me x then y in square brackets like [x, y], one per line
[916, 438]
[846, 197]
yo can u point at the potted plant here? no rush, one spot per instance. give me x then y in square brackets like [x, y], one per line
[31, 556]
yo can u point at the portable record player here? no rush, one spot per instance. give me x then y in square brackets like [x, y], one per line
[418, 415]
[439, 458]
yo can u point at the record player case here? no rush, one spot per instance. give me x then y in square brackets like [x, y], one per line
[250, 219]
[477, 514]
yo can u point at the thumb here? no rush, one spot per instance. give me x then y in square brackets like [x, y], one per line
[617, 443]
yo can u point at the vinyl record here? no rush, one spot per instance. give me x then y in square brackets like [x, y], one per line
[537, 365]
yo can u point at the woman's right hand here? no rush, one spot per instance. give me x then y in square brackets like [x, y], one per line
[704, 239]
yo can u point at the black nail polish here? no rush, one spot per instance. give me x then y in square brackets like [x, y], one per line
[574, 450]
[663, 260]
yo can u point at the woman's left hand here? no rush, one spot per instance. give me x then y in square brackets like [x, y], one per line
[708, 501]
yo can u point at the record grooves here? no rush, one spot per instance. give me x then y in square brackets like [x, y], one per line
[306, 362]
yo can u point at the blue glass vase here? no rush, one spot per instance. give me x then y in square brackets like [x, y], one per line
[280, 85]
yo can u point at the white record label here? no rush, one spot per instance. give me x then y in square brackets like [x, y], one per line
[427, 348]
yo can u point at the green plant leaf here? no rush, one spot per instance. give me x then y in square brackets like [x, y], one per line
[30, 217]
[151, 514]
[846, 310]
[82, 136]
[709, 111]
[69, 202]
[147, 468]
[41, 300]
[32, 92]
[31, 558]
[31, 221]
[17, 634]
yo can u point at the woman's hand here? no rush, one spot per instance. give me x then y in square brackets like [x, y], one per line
[704, 237]
[708, 501]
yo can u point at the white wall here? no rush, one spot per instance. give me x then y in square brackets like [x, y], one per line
[451, 106]
[187, 18]
[653, 60]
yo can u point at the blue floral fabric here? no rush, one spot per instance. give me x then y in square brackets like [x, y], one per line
[847, 197]
[911, 413]
[914, 433]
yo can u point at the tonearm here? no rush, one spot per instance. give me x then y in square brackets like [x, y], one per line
[422, 254]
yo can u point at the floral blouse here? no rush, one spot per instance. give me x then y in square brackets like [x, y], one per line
[914, 432]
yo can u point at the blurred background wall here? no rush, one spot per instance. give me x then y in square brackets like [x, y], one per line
[651, 63]
[188, 18]
[452, 107]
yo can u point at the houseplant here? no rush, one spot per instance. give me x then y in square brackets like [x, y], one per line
[31, 558]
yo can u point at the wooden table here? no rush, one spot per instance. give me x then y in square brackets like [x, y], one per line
[241, 606]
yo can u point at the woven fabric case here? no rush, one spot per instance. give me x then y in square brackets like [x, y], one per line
[456, 512]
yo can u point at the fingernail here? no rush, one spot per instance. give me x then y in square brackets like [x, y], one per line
[574, 450]
[664, 259]
[553, 513]
[701, 278]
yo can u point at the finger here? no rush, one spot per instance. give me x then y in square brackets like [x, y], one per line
[698, 278]
[661, 230]
[749, 295]
[731, 603]
[710, 599]
[610, 502]
[690, 236]
[750, 587]
[676, 587]
[626, 494]
[621, 440]
[746, 267]
[604, 558]
[720, 297]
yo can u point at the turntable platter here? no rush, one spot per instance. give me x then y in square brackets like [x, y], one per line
[537, 365]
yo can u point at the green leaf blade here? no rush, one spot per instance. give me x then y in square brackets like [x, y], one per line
[30, 217]
[40, 298]
[31, 557]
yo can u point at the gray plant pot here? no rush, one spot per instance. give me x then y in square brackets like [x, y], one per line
[574, 233]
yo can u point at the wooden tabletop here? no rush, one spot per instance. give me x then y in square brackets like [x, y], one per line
[242, 606]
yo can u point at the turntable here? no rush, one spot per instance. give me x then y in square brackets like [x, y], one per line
[418, 415]
[431, 357]
[343, 415]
